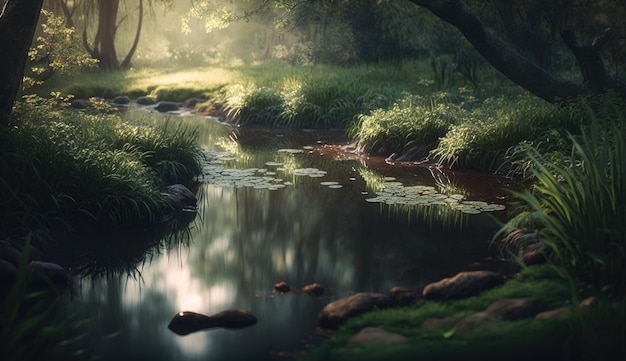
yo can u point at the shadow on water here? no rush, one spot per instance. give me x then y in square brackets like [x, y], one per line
[283, 226]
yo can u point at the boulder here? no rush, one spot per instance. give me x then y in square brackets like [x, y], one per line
[526, 246]
[464, 284]
[180, 197]
[282, 287]
[8, 272]
[107, 93]
[46, 273]
[120, 100]
[145, 100]
[336, 313]
[80, 104]
[562, 313]
[514, 308]
[475, 321]
[588, 303]
[192, 102]
[314, 289]
[375, 335]
[10, 254]
[165, 107]
[187, 322]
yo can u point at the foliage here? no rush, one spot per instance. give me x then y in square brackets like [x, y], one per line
[412, 122]
[314, 97]
[33, 325]
[580, 203]
[57, 49]
[66, 169]
[498, 125]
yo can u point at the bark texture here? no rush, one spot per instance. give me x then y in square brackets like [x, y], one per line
[18, 21]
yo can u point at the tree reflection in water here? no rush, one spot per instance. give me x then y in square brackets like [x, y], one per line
[245, 240]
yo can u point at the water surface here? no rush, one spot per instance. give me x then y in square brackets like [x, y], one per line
[245, 239]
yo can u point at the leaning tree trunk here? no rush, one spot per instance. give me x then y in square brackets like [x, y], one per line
[18, 22]
[507, 61]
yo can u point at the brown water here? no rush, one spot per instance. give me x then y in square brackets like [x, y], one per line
[245, 239]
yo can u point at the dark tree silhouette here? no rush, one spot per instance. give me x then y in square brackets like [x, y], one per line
[18, 22]
[522, 70]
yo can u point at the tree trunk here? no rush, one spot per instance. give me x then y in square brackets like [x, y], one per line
[511, 64]
[104, 45]
[18, 22]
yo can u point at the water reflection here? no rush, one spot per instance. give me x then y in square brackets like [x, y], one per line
[245, 240]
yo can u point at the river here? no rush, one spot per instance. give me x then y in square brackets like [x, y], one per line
[289, 206]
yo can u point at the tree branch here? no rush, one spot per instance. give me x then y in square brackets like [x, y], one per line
[502, 57]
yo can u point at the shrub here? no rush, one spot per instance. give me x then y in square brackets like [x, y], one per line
[409, 123]
[580, 202]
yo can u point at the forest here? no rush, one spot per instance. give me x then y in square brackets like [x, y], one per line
[160, 156]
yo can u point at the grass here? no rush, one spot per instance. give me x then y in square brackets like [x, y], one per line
[62, 169]
[523, 339]
[33, 325]
[580, 204]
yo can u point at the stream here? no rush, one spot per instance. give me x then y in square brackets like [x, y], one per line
[291, 206]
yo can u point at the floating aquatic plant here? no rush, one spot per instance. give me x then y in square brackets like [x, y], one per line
[393, 192]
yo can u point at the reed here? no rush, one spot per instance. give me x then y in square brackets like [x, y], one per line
[580, 202]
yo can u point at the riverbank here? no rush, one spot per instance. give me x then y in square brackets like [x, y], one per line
[544, 324]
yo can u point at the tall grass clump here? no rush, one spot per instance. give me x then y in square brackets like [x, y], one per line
[170, 151]
[410, 123]
[315, 97]
[581, 204]
[485, 140]
[63, 169]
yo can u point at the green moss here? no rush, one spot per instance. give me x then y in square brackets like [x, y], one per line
[523, 339]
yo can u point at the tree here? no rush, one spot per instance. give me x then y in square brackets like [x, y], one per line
[520, 45]
[524, 71]
[18, 22]
[110, 15]
[55, 49]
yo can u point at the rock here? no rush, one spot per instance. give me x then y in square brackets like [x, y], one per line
[559, 313]
[107, 93]
[10, 254]
[403, 295]
[370, 335]
[514, 308]
[165, 107]
[80, 104]
[588, 303]
[525, 246]
[314, 289]
[464, 284]
[180, 197]
[187, 322]
[46, 273]
[438, 323]
[475, 321]
[336, 313]
[8, 272]
[121, 100]
[145, 100]
[282, 287]
[192, 102]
